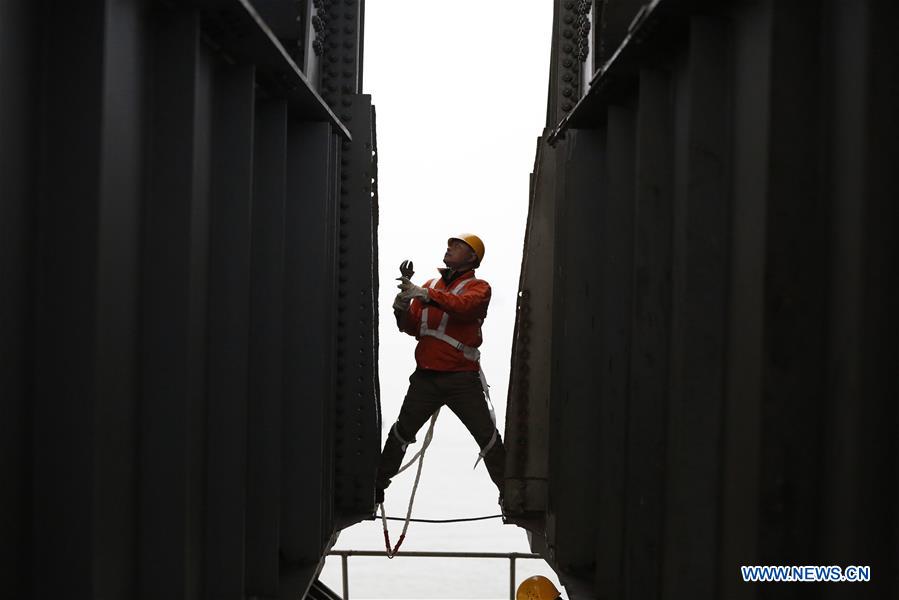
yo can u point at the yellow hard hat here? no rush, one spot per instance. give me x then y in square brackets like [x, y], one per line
[537, 587]
[473, 241]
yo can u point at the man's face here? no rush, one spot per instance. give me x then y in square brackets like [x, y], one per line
[459, 254]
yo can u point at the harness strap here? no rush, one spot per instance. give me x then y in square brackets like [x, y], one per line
[492, 441]
[469, 352]
[423, 328]
[395, 432]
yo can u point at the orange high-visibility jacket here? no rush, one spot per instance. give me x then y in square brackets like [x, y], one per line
[466, 310]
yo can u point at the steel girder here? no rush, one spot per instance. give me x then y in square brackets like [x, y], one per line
[173, 221]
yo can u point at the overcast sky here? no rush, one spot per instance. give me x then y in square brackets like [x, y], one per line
[460, 93]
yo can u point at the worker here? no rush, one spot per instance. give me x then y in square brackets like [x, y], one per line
[445, 316]
[537, 587]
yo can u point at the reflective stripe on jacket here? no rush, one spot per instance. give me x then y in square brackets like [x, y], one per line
[466, 311]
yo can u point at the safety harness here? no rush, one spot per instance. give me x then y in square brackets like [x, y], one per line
[469, 352]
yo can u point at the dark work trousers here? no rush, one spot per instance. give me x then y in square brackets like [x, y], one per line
[462, 392]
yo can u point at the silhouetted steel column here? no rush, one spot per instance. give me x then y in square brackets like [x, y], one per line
[86, 272]
[700, 255]
[651, 321]
[266, 386]
[527, 428]
[796, 288]
[357, 415]
[310, 286]
[19, 61]
[615, 263]
[740, 452]
[172, 432]
[233, 119]
[574, 476]
[859, 524]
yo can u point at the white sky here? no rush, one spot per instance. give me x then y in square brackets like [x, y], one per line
[460, 91]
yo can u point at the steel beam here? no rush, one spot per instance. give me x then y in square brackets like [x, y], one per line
[86, 271]
[844, 485]
[19, 60]
[701, 230]
[574, 478]
[740, 452]
[66, 310]
[747, 332]
[139, 464]
[566, 62]
[357, 409]
[341, 55]
[649, 353]
[235, 26]
[527, 431]
[174, 321]
[877, 536]
[795, 288]
[615, 262]
[228, 356]
[858, 517]
[266, 366]
[310, 285]
[121, 204]
[617, 17]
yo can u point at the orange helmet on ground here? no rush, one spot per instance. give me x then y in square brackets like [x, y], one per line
[473, 241]
[537, 587]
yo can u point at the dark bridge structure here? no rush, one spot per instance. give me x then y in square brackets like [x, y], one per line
[188, 325]
[706, 356]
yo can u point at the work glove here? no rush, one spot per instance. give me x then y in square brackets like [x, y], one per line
[401, 304]
[409, 290]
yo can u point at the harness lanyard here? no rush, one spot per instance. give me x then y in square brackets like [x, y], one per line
[420, 455]
[468, 352]
[492, 441]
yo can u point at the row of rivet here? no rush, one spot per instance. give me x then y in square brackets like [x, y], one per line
[350, 443]
[320, 25]
[583, 29]
[341, 438]
[521, 382]
[339, 69]
[574, 45]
